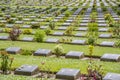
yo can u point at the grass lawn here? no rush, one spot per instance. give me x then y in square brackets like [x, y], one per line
[98, 51]
[55, 64]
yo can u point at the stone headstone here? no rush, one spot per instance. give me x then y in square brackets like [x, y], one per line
[19, 22]
[105, 36]
[80, 34]
[83, 24]
[82, 42]
[26, 26]
[52, 40]
[102, 24]
[28, 70]
[43, 27]
[112, 76]
[66, 24]
[82, 29]
[68, 74]
[43, 52]
[62, 28]
[107, 43]
[9, 25]
[69, 21]
[75, 54]
[85, 21]
[26, 19]
[13, 50]
[4, 37]
[58, 33]
[3, 21]
[28, 39]
[110, 57]
[103, 29]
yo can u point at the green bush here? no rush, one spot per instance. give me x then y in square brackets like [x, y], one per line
[52, 25]
[10, 21]
[26, 52]
[91, 40]
[69, 31]
[67, 13]
[47, 31]
[2, 25]
[118, 12]
[39, 36]
[117, 44]
[27, 31]
[58, 50]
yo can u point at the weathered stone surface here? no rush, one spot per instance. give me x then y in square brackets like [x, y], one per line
[28, 70]
[68, 74]
[13, 50]
[110, 57]
[107, 44]
[112, 76]
[75, 54]
[43, 52]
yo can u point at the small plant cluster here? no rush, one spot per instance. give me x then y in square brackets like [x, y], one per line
[69, 31]
[58, 50]
[2, 25]
[93, 17]
[92, 33]
[26, 52]
[110, 20]
[39, 35]
[67, 13]
[66, 40]
[116, 29]
[6, 30]
[15, 33]
[95, 72]
[27, 31]
[6, 62]
[35, 25]
[52, 25]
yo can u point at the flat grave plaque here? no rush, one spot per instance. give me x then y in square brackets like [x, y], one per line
[112, 76]
[82, 42]
[4, 37]
[62, 28]
[26, 26]
[75, 54]
[28, 70]
[28, 39]
[80, 34]
[107, 44]
[110, 57]
[68, 74]
[43, 27]
[66, 24]
[105, 36]
[43, 52]
[19, 22]
[83, 24]
[82, 29]
[52, 40]
[103, 29]
[58, 33]
[13, 50]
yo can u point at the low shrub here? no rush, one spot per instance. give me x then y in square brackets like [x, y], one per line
[39, 35]
[58, 50]
[27, 31]
[26, 52]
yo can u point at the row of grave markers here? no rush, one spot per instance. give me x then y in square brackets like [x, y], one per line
[70, 54]
[55, 40]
